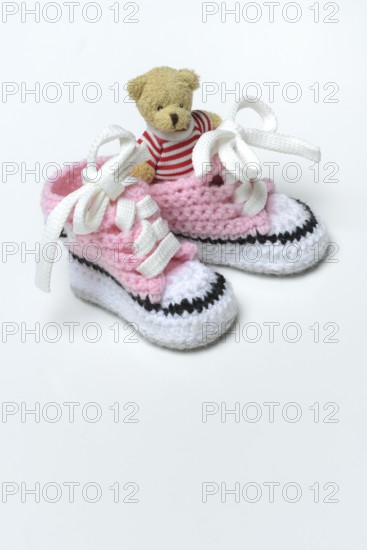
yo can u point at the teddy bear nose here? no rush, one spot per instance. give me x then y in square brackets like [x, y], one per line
[174, 118]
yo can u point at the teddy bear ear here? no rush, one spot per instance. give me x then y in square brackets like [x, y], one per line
[190, 77]
[135, 87]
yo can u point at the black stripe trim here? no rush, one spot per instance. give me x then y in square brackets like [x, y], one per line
[197, 304]
[308, 227]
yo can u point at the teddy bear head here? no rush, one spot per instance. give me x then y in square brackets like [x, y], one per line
[164, 97]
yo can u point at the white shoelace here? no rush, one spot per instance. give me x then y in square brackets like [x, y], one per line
[90, 201]
[231, 142]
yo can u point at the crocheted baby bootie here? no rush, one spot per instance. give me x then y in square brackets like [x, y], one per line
[232, 215]
[123, 256]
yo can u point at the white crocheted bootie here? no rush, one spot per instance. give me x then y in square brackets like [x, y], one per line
[138, 269]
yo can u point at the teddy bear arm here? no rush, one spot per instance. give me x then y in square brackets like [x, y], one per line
[216, 120]
[144, 172]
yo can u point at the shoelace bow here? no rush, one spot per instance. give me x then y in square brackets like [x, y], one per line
[100, 186]
[231, 142]
[90, 201]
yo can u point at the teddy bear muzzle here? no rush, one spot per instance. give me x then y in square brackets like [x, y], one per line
[169, 120]
[174, 118]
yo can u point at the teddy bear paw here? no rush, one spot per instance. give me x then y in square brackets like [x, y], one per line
[144, 172]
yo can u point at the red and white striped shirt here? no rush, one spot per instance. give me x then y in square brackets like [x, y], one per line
[171, 153]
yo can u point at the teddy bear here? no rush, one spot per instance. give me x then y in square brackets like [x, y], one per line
[163, 97]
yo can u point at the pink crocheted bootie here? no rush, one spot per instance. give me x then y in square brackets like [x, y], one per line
[123, 256]
[235, 217]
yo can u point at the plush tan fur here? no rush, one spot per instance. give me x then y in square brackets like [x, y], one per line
[143, 172]
[159, 94]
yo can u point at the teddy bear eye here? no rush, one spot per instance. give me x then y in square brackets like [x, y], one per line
[159, 108]
[181, 105]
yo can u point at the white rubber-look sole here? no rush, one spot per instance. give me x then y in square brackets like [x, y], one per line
[186, 331]
[271, 259]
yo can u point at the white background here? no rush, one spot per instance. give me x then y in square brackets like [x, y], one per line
[170, 452]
